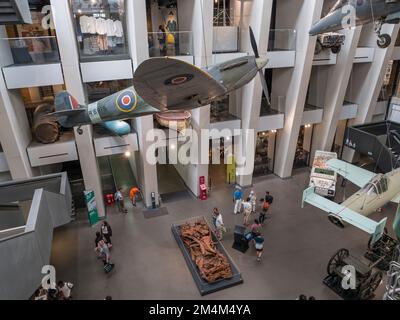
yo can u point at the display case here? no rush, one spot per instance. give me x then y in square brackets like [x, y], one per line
[100, 29]
[206, 287]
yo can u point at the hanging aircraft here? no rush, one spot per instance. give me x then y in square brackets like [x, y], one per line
[377, 190]
[162, 84]
[170, 84]
[367, 11]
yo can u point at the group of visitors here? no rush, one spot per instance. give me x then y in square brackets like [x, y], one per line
[248, 207]
[60, 291]
[134, 193]
[103, 245]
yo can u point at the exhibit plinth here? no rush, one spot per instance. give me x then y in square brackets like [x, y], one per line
[202, 284]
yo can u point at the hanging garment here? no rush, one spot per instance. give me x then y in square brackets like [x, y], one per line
[110, 28]
[101, 26]
[119, 30]
[84, 24]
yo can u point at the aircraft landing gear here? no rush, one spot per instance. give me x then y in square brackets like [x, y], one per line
[384, 40]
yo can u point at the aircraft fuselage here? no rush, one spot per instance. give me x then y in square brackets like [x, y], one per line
[367, 11]
[367, 200]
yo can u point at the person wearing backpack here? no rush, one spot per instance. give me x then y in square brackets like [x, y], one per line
[263, 213]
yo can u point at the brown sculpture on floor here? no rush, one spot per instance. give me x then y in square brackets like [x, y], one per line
[212, 264]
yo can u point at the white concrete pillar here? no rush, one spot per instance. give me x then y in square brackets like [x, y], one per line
[15, 132]
[139, 51]
[136, 24]
[309, 13]
[260, 20]
[337, 82]
[367, 79]
[67, 44]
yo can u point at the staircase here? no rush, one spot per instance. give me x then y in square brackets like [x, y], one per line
[380, 141]
[26, 247]
[14, 12]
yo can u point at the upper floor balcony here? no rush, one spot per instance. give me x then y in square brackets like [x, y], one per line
[281, 46]
[35, 62]
[172, 44]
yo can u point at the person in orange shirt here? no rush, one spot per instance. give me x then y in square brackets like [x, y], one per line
[133, 194]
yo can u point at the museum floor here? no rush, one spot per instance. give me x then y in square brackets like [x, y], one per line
[149, 264]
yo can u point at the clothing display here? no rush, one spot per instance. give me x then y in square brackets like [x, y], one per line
[99, 35]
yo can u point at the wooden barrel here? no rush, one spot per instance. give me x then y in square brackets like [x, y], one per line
[45, 128]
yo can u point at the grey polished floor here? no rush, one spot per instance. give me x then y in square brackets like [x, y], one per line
[149, 264]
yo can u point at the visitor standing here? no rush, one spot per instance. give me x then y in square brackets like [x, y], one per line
[255, 228]
[106, 232]
[119, 198]
[263, 213]
[162, 38]
[246, 211]
[253, 199]
[268, 197]
[259, 245]
[237, 198]
[219, 224]
[214, 217]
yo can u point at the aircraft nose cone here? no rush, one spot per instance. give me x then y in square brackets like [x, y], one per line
[261, 63]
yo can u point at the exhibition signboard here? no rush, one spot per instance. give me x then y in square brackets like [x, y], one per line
[90, 200]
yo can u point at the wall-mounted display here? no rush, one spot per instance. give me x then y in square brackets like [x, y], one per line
[100, 27]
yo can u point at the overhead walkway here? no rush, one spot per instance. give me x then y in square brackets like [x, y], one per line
[380, 141]
[39, 205]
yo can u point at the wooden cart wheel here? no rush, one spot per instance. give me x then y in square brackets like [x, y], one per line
[337, 261]
[371, 285]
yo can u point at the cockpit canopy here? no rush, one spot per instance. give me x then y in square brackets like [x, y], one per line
[378, 185]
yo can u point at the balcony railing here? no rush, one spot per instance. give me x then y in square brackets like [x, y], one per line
[170, 44]
[282, 40]
[226, 39]
[34, 50]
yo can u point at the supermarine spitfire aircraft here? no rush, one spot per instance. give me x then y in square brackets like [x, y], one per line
[377, 190]
[162, 84]
[367, 11]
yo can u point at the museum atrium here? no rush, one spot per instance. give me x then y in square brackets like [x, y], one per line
[199, 149]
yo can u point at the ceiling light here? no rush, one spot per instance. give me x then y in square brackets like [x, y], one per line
[127, 154]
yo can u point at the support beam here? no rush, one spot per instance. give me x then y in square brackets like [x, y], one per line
[260, 19]
[67, 44]
[338, 80]
[298, 80]
[139, 51]
[15, 132]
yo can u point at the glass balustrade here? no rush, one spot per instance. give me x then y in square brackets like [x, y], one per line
[171, 44]
[33, 50]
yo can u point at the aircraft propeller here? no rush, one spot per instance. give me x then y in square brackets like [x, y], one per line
[261, 63]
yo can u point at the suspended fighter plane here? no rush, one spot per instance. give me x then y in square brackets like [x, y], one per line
[162, 84]
[377, 190]
[367, 11]
[170, 84]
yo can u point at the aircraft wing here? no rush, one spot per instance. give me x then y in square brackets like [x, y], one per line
[368, 225]
[357, 175]
[396, 199]
[174, 84]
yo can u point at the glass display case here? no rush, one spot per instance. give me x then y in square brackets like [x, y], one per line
[100, 29]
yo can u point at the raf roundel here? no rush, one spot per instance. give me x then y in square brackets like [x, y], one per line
[126, 101]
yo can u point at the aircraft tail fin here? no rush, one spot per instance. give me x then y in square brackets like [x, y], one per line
[66, 105]
[64, 101]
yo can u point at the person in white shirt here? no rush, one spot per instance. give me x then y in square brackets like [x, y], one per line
[253, 199]
[246, 211]
[64, 290]
[219, 224]
[119, 198]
